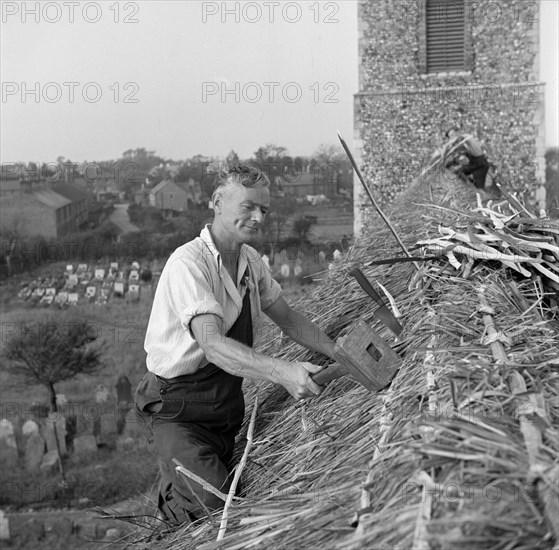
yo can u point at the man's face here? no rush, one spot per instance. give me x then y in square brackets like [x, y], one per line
[242, 210]
[452, 134]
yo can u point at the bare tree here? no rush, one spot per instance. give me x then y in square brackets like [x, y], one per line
[49, 351]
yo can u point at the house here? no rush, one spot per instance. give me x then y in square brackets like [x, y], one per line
[50, 211]
[427, 66]
[309, 184]
[171, 196]
[141, 196]
[9, 187]
[106, 189]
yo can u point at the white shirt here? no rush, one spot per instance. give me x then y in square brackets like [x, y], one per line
[194, 281]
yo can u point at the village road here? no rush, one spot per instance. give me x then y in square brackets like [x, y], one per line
[120, 218]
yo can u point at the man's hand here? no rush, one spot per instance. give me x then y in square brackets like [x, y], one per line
[240, 360]
[296, 379]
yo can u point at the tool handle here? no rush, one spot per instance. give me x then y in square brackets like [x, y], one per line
[328, 374]
[366, 285]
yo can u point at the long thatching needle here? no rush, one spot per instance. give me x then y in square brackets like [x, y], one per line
[378, 209]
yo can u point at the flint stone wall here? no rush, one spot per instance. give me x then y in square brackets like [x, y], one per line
[401, 113]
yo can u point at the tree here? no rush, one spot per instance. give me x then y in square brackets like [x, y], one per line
[331, 165]
[274, 162]
[232, 157]
[302, 227]
[326, 154]
[198, 168]
[269, 151]
[49, 351]
[281, 210]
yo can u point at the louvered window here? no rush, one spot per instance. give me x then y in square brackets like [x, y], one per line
[445, 35]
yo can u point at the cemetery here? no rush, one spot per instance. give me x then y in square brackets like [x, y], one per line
[54, 460]
[87, 283]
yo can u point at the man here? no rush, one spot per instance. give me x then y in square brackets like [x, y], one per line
[209, 299]
[477, 165]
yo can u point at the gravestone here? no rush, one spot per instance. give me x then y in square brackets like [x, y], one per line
[50, 463]
[47, 432]
[123, 390]
[101, 394]
[298, 270]
[61, 400]
[85, 444]
[133, 426]
[8, 445]
[29, 428]
[4, 526]
[105, 427]
[125, 442]
[61, 298]
[124, 400]
[108, 423]
[85, 422]
[7, 433]
[121, 420]
[321, 257]
[277, 259]
[8, 455]
[54, 428]
[34, 451]
[71, 430]
[284, 270]
[337, 255]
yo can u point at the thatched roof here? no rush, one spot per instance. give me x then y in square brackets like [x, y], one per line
[461, 451]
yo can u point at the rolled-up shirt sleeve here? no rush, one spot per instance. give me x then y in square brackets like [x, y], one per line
[189, 291]
[268, 287]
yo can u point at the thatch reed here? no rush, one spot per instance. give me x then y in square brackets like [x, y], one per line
[447, 456]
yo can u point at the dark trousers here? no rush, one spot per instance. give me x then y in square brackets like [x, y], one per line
[477, 167]
[196, 420]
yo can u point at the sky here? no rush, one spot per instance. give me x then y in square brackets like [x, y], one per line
[184, 78]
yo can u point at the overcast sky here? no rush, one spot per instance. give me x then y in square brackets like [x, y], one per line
[157, 80]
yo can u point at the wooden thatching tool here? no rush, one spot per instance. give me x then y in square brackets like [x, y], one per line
[363, 354]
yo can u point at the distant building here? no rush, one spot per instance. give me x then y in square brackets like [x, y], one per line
[309, 184]
[171, 196]
[141, 196]
[39, 210]
[9, 187]
[107, 189]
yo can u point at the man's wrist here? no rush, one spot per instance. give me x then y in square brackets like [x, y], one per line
[276, 372]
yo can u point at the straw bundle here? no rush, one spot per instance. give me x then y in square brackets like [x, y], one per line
[507, 233]
[438, 460]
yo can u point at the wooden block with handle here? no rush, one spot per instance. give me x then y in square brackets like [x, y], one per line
[363, 354]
